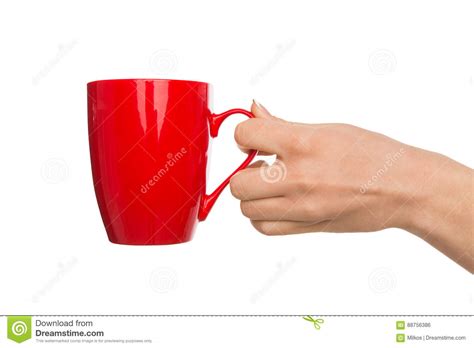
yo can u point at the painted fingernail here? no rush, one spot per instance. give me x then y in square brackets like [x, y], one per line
[260, 106]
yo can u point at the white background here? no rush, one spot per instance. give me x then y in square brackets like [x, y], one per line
[403, 68]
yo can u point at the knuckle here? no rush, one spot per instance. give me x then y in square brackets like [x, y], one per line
[294, 145]
[296, 139]
[301, 183]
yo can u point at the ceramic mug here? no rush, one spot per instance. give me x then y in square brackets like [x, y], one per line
[149, 141]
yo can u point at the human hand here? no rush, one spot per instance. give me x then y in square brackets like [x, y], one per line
[341, 178]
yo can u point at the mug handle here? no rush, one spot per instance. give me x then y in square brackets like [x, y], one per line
[215, 121]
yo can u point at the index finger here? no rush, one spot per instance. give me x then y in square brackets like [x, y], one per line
[263, 135]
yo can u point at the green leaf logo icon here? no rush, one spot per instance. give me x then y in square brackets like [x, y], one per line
[19, 328]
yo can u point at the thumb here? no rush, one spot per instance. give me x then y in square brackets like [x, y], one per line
[259, 111]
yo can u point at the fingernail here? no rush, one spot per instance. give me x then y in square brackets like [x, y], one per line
[260, 106]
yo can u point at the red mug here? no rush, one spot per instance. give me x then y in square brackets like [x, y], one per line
[149, 142]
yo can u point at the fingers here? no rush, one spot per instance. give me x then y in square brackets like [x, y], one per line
[283, 208]
[265, 133]
[266, 208]
[275, 228]
[259, 111]
[249, 184]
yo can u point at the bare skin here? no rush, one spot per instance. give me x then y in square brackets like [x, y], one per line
[341, 178]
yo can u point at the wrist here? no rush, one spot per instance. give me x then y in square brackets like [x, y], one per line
[437, 187]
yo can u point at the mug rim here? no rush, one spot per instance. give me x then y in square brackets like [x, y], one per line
[146, 79]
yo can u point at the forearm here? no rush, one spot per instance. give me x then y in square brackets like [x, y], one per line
[442, 208]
